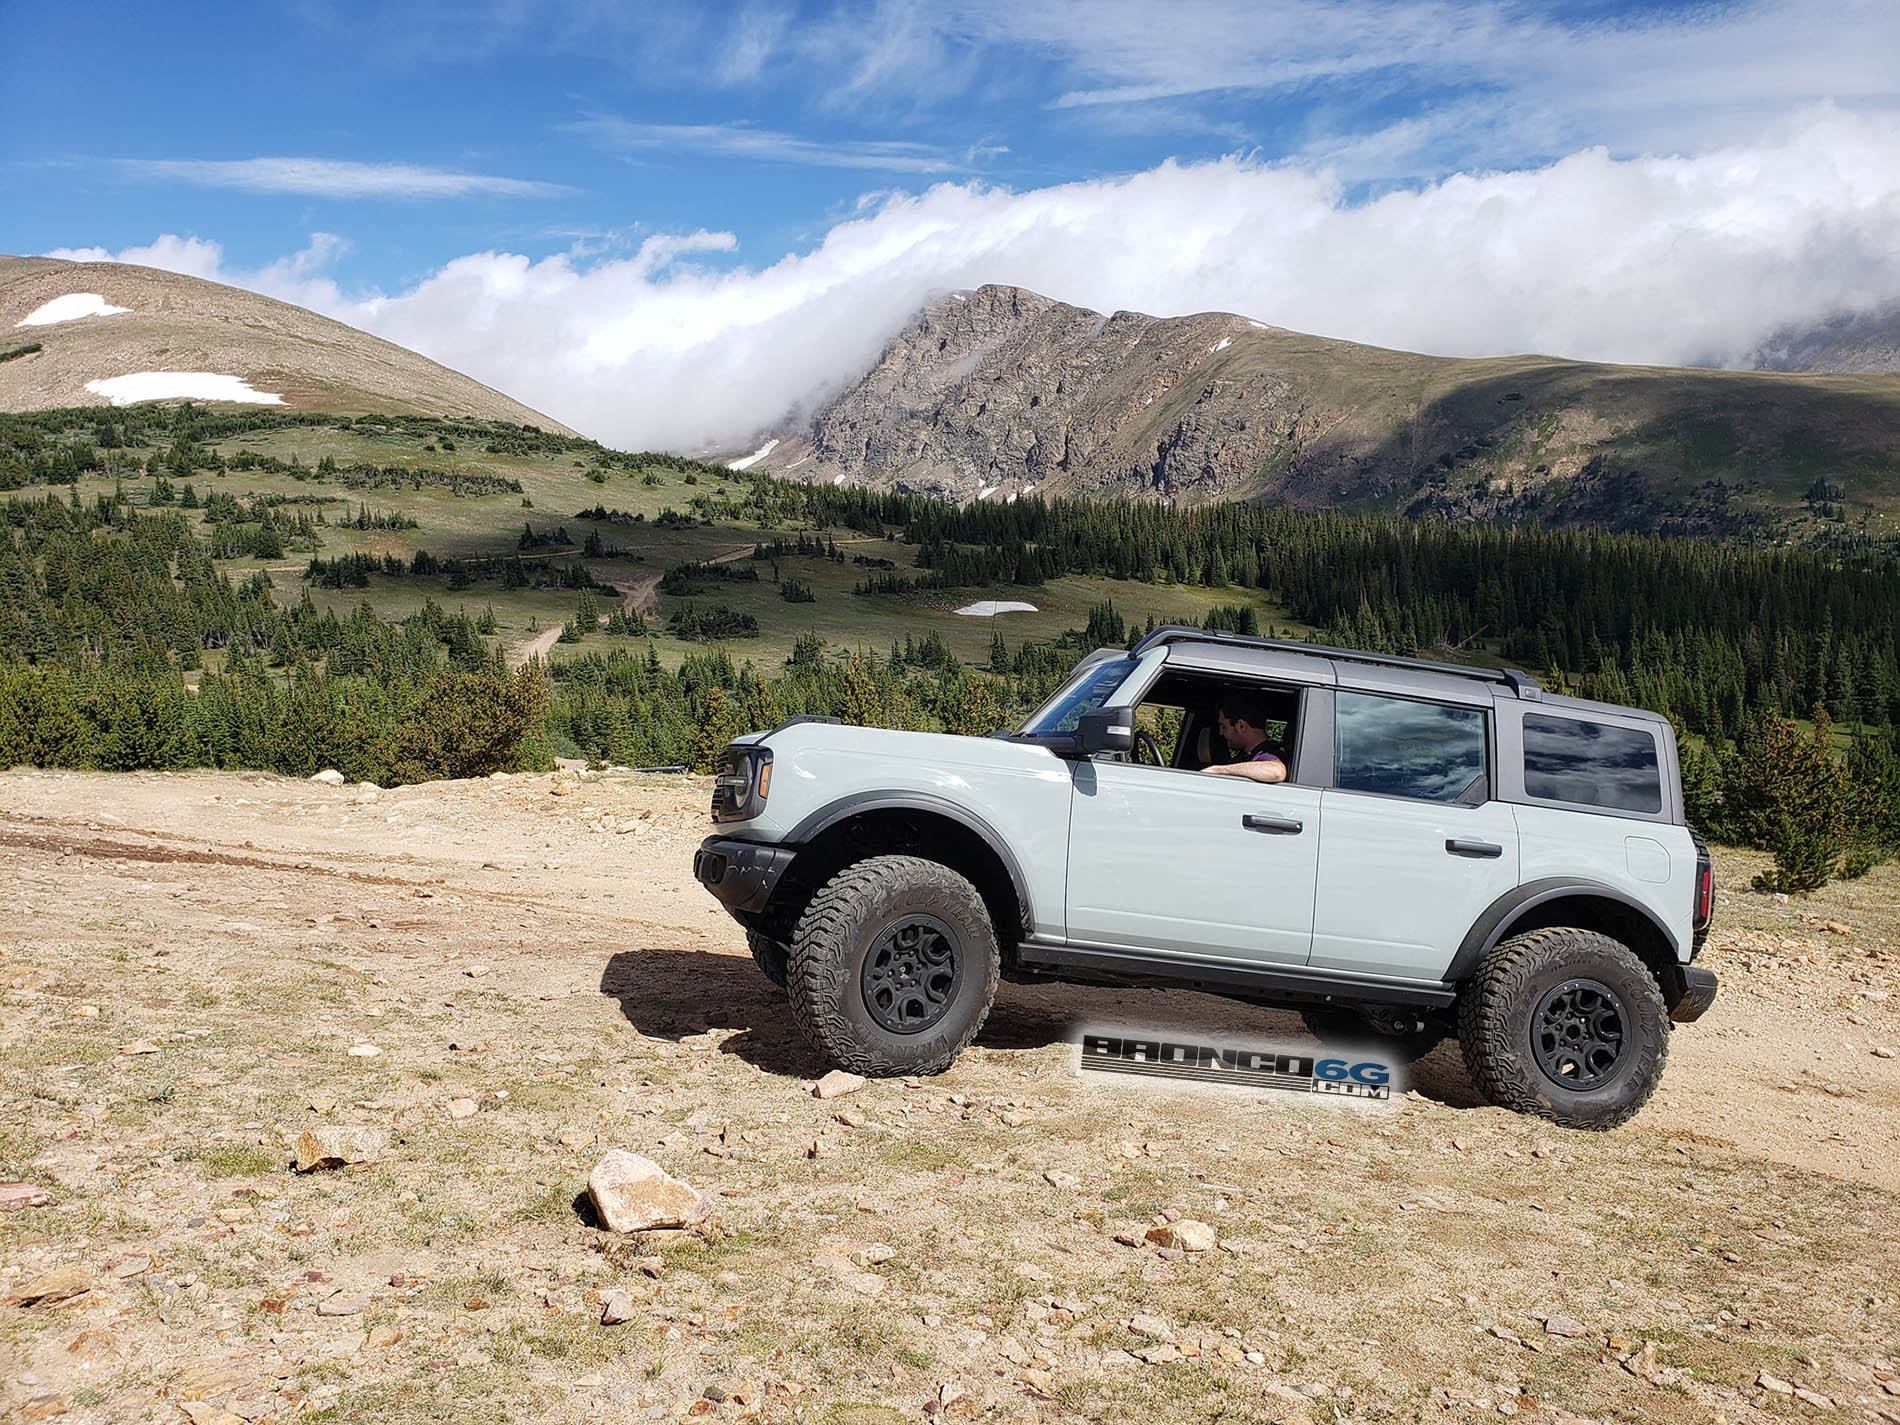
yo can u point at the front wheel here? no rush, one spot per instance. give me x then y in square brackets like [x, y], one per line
[1566, 1024]
[769, 955]
[893, 967]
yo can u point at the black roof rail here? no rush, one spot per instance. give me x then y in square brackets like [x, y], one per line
[1518, 681]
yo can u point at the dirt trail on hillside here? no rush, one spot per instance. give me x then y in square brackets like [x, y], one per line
[187, 962]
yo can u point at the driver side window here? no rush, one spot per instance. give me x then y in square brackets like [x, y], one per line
[1181, 716]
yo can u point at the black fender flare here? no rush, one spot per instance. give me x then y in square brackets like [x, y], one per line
[819, 822]
[1488, 929]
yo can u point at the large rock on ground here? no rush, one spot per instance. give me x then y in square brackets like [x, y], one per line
[635, 1194]
[338, 1145]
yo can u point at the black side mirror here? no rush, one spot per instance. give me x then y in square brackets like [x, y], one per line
[1105, 730]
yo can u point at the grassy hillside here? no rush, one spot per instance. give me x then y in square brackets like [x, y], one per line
[561, 483]
[168, 322]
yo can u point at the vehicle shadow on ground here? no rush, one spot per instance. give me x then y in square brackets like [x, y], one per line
[674, 994]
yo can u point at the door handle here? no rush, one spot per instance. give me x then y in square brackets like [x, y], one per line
[1484, 850]
[1273, 825]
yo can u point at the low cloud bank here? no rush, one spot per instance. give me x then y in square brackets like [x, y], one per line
[1676, 260]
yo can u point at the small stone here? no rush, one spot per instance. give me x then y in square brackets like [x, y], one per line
[874, 1255]
[51, 1288]
[618, 1309]
[381, 1337]
[1129, 1236]
[1774, 1384]
[1152, 1327]
[1186, 1235]
[865, 1283]
[462, 1108]
[132, 1266]
[475, 972]
[1882, 1052]
[87, 1011]
[139, 1046]
[364, 1051]
[338, 1145]
[1565, 1326]
[1161, 1355]
[329, 776]
[16, 1196]
[837, 1083]
[1814, 1398]
[949, 1393]
[1836, 927]
[1029, 1271]
[1056, 1178]
[850, 1118]
[343, 1304]
[635, 1194]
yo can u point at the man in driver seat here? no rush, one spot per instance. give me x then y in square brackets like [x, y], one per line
[1242, 723]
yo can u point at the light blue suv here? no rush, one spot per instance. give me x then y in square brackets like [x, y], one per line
[1452, 852]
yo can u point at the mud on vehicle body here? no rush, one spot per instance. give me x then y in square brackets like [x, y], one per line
[1453, 853]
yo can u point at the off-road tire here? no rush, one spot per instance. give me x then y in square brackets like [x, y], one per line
[769, 955]
[842, 926]
[1497, 1015]
[1344, 1027]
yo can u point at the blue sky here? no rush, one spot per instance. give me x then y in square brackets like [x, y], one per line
[636, 164]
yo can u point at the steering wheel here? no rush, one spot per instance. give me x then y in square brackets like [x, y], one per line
[1145, 741]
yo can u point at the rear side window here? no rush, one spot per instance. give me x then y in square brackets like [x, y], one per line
[1405, 749]
[1591, 764]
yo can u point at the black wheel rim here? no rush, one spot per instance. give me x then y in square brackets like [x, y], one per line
[1579, 1034]
[912, 974]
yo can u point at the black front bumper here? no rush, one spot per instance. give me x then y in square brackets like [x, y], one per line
[740, 873]
[1698, 993]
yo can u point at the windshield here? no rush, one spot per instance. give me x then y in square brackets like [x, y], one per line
[1086, 692]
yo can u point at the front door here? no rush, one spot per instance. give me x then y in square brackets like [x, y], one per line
[1176, 861]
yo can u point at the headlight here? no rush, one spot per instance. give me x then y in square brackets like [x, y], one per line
[742, 779]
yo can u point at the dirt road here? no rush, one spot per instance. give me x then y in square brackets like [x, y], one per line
[189, 961]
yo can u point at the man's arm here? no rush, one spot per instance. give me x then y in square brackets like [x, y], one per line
[1267, 770]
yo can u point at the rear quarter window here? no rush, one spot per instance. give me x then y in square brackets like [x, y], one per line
[1597, 764]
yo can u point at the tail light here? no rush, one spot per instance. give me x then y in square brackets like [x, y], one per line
[1704, 911]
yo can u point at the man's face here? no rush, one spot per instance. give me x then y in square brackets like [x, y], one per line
[1238, 735]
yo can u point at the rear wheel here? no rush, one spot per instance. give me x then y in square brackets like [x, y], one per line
[893, 967]
[1566, 1024]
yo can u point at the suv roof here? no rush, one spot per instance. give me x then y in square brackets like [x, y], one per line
[1518, 681]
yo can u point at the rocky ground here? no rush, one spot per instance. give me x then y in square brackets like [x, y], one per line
[499, 982]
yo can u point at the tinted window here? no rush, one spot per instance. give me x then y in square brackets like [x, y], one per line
[1590, 763]
[1406, 749]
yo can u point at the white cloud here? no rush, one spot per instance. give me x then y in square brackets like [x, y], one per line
[334, 178]
[1666, 260]
[764, 145]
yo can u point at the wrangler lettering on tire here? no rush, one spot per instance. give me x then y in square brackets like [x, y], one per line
[893, 967]
[1566, 1024]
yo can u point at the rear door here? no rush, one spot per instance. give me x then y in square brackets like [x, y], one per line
[1414, 849]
